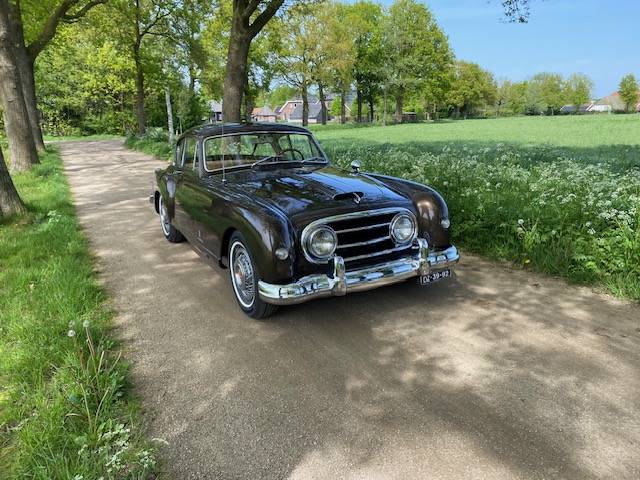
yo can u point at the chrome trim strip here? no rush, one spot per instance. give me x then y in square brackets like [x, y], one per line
[377, 254]
[368, 227]
[341, 282]
[367, 242]
[344, 216]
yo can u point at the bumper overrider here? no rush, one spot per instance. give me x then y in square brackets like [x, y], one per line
[341, 281]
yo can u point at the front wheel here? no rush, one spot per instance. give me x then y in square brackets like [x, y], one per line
[171, 233]
[244, 279]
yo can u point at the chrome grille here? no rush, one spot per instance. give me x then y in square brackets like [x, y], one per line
[364, 237]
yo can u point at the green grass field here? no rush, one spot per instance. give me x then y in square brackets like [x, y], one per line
[64, 405]
[558, 194]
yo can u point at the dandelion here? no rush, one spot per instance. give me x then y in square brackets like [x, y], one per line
[591, 231]
[71, 333]
[588, 224]
[86, 324]
[520, 221]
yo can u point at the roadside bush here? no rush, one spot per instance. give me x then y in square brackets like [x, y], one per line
[547, 210]
[155, 142]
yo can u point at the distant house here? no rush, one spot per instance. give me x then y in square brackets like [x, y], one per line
[215, 111]
[315, 113]
[264, 114]
[585, 108]
[613, 101]
[285, 111]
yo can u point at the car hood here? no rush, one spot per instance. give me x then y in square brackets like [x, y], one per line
[315, 192]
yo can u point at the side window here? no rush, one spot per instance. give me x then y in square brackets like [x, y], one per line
[189, 153]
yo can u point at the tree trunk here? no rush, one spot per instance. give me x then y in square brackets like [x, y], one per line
[25, 66]
[248, 101]
[323, 104]
[305, 103]
[234, 79]
[140, 114]
[16, 119]
[10, 202]
[399, 105]
[343, 108]
[167, 99]
[384, 113]
[359, 102]
[371, 117]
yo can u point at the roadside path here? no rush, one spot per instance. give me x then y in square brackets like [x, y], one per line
[498, 374]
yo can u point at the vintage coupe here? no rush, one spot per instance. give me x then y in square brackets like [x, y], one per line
[263, 201]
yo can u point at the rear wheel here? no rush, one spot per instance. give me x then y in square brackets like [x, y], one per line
[171, 233]
[244, 279]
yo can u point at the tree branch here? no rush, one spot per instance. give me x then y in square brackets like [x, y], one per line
[74, 17]
[60, 13]
[266, 15]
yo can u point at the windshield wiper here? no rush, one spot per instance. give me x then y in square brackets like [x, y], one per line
[264, 160]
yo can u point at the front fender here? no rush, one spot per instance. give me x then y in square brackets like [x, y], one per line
[429, 204]
[265, 231]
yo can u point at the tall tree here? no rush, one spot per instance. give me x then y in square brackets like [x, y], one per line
[472, 89]
[368, 66]
[549, 88]
[141, 19]
[248, 19]
[629, 91]
[16, 117]
[415, 47]
[45, 16]
[294, 64]
[577, 90]
[10, 202]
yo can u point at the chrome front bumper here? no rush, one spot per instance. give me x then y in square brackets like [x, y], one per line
[341, 282]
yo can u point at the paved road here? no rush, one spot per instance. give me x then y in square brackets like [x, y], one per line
[499, 374]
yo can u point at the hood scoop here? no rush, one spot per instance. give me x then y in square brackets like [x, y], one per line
[353, 196]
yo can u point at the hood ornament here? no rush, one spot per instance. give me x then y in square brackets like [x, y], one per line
[357, 197]
[355, 166]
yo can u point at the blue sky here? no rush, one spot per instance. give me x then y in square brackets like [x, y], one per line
[600, 38]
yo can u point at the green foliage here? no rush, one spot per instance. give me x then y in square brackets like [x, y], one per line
[577, 90]
[64, 405]
[416, 51]
[629, 91]
[568, 204]
[473, 88]
[155, 142]
[545, 94]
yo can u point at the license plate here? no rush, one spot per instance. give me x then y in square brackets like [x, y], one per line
[435, 276]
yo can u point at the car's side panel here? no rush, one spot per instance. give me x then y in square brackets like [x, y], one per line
[430, 205]
[264, 230]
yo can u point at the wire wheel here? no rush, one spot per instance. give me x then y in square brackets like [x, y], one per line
[165, 222]
[242, 275]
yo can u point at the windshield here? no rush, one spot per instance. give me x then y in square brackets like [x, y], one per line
[247, 149]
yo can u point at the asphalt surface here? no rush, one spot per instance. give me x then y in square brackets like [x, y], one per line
[496, 374]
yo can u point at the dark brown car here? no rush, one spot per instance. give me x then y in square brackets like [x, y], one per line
[263, 201]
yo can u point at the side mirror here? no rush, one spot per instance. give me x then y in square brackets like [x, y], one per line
[355, 166]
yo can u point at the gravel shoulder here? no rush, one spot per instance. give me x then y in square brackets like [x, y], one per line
[497, 374]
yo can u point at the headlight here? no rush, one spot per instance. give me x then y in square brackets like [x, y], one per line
[322, 242]
[445, 223]
[403, 228]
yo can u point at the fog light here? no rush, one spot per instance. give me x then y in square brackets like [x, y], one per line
[282, 253]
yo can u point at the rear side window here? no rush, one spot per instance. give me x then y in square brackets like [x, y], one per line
[189, 154]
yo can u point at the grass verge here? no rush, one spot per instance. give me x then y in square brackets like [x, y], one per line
[65, 411]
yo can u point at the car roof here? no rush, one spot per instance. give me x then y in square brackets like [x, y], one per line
[211, 129]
